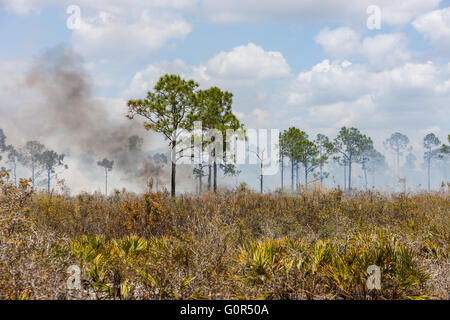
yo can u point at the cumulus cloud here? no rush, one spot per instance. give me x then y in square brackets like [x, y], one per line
[111, 30]
[331, 94]
[109, 35]
[248, 62]
[146, 79]
[262, 116]
[435, 26]
[340, 43]
[380, 51]
[238, 11]
[330, 117]
[410, 97]
[385, 50]
[88, 6]
[242, 66]
[22, 6]
[329, 81]
[403, 11]
[342, 81]
[256, 78]
[348, 11]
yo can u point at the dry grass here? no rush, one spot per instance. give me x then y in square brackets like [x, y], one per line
[234, 245]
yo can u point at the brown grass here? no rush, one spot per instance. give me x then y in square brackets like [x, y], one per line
[234, 245]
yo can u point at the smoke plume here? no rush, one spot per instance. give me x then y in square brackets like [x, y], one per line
[66, 115]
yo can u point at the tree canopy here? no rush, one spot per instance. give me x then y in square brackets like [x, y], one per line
[166, 109]
[351, 144]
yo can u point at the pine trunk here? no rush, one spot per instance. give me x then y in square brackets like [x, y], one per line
[174, 169]
[215, 176]
[48, 181]
[349, 175]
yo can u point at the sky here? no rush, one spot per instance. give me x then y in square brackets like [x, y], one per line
[316, 65]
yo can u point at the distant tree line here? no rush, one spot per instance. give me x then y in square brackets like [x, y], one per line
[34, 156]
[348, 148]
[176, 103]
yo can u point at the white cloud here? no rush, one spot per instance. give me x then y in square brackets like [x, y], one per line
[338, 114]
[385, 50]
[257, 79]
[89, 6]
[409, 97]
[248, 62]
[348, 11]
[146, 79]
[238, 11]
[118, 5]
[435, 26]
[329, 81]
[338, 43]
[380, 51]
[22, 6]
[341, 82]
[110, 36]
[111, 30]
[262, 116]
[403, 11]
[242, 66]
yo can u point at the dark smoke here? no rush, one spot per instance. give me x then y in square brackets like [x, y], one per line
[75, 121]
[138, 165]
[69, 110]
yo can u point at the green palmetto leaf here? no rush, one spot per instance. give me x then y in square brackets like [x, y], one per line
[187, 281]
[147, 277]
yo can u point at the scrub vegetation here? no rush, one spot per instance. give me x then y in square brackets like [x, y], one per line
[236, 244]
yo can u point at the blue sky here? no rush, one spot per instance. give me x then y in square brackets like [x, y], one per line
[312, 64]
